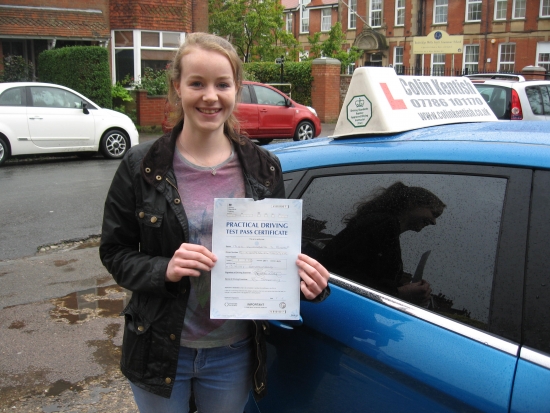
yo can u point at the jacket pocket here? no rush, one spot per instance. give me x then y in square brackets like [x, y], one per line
[136, 343]
[150, 223]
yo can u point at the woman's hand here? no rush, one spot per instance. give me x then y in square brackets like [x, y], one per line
[188, 261]
[314, 276]
[417, 293]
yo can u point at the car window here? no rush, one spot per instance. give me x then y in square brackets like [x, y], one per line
[539, 99]
[377, 229]
[13, 97]
[245, 95]
[497, 97]
[267, 96]
[50, 97]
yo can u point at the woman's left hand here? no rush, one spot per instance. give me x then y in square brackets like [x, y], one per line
[314, 276]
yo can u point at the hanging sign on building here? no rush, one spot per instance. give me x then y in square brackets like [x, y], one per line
[438, 42]
[381, 102]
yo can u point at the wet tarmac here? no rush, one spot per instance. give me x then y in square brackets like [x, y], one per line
[60, 334]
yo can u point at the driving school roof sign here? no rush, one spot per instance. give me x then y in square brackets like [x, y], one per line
[379, 101]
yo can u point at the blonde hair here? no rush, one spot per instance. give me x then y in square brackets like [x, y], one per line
[213, 43]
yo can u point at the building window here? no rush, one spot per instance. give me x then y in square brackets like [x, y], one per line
[438, 64]
[545, 8]
[519, 9]
[289, 22]
[375, 13]
[304, 55]
[440, 11]
[500, 9]
[352, 17]
[507, 57]
[473, 10]
[471, 58]
[304, 17]
[326, 20]
[398, 60]
[350, 69]
[399, 12]
[543, 55]
[135, 50]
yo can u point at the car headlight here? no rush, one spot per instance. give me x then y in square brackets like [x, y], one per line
[312, 110]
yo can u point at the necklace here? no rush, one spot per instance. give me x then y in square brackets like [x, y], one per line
[212, 168]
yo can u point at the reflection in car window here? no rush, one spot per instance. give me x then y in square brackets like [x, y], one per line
[245, 95]
[13, 97]
[267, 96]
[375, 228]
[50, 97]
[539, 99]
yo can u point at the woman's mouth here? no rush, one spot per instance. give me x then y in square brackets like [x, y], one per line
[209, 111]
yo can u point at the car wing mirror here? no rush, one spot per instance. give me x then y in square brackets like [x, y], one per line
[288, 102]
[85, 108]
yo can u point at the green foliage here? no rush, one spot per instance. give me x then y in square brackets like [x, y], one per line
[254, 27]
[336, 39]
[296, 73]
[16, 69]
[315, 46]
[155, 82]
[82, 68]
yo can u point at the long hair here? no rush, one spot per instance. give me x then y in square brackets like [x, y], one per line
[213, 43]
[394, 200]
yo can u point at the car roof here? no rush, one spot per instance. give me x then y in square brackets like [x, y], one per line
[518, 144]
[497, 76]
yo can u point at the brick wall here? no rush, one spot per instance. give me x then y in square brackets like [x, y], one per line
[165, 15]
[200, 16]
[345, 80]
[149, 109]
[326, 85]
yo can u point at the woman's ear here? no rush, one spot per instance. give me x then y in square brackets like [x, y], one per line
[176, 86]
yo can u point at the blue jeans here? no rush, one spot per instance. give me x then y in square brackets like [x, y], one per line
[220, 378]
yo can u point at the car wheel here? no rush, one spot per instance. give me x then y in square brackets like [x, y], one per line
[4, 151]
[304, 131]
[114, 144]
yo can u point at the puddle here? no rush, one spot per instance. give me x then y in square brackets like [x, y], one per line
[61, 263]
[17, 325]
[94, 302]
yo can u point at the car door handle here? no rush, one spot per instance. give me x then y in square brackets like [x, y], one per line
[35, 118]
[287, 324]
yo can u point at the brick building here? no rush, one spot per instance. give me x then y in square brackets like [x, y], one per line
[138, 33]
[498, 35]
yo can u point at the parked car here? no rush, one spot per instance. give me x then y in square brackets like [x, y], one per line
[511, 97]
[475, 227]
[43, 118]
[265, 113]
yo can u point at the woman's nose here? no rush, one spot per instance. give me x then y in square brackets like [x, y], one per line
[210, 95]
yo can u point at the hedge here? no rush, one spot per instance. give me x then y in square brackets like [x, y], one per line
[81, 68]
[296, 73]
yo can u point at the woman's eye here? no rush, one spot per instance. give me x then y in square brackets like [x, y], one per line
[196, 84]
[224, 85]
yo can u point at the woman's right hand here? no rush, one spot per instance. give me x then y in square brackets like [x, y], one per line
[188, 261]
[416, 293]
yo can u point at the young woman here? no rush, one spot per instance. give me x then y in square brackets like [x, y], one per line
[157, 237]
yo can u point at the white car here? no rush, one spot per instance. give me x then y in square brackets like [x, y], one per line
[511, 97]
[43, 118]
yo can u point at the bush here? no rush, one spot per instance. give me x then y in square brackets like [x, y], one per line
[16, 69]
[82, 68]
[154, 82]
[296, 73]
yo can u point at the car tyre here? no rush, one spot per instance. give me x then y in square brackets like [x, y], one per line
[4, 150]
[304, 131]
[114, 144]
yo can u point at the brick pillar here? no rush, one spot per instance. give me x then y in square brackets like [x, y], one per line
[534, 73]
[141, 101]
[325, 90]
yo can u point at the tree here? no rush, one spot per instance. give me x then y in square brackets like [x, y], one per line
[332, 47]
[252, 26]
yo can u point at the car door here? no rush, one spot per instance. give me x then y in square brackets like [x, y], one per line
[276, 119]
[56, 119]
[13, 116]
[532, 383]
[247, 113]
[367, 350]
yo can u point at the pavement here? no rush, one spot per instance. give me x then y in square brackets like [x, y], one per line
[61, 330]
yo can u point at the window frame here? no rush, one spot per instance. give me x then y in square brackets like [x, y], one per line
[398, 64]
[466, 62]
[519, 9]
[544, 4]
[507, 293]
[501, 62]
[399, 13]
[439, 7]
[288, 22]
[352, 16]
[543, 48]
[324, 18]
[304, 16]
[471, 5]
[375, 15]
[497, 3]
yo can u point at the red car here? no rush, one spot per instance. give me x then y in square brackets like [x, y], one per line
[265, 113]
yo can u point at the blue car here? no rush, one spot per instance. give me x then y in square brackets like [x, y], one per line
[440, 300]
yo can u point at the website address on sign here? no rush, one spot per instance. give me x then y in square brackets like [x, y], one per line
[453, 114]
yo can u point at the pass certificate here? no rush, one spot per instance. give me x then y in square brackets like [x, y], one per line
[257, 244]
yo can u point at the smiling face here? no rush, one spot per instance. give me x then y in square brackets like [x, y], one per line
[207, 91]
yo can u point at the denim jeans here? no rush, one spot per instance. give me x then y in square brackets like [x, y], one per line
[220, 378]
